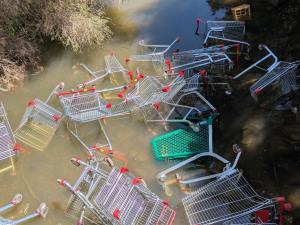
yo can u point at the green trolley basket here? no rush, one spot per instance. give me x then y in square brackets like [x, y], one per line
[181, 143]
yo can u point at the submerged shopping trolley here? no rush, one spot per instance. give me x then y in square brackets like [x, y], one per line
[226, 31]
[180, 143]
[112, 66]
[279, 81]
[82, 108]
[205, 131]
[153, 53]
[39, 122]
[87, 128]
[190, 108]
[228, 197]
[115, 197]
[41, 211]
[274, 214]
[187, 61]
[7, 140]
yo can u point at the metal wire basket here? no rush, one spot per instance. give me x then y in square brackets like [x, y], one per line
[225, 198]
[7, 138]
[180, 144]
[41, 211]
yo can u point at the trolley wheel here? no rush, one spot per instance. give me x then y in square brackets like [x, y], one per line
[17, 199]
[42, 210]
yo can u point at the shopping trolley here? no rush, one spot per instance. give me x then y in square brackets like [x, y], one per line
[279, 82]
[185, 61]
[89, 106]
[112, 66]
[39, 122]
[189, 108]
[41, 211]
[275, 214]
[153, 53]
[228, 197]
[96, 142]
[83, 108]
[156, 52]
[209, 152]
[226, 31]
[7, 140]
[115, 198]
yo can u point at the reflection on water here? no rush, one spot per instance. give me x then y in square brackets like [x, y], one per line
[253, 132]
[171, 19]
[36, 171]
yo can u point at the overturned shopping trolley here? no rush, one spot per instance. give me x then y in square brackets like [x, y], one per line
[205, 131]
[187, 61]
[274, 214]
[115, 197]
[267, 63]
[212, 58]
[39, 122]
[87, 128]
[17, 199]
[228, 197]
[279, 81]
[112, 66]
[226, 31]
[148, 97]
[180, 143]
[153, 53]
[7, 140]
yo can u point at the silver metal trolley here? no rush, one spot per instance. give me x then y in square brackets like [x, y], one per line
[114, 196]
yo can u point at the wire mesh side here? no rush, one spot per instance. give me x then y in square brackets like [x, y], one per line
[7, 139]
[150, 90]
[86, 184]
[84, 107]
[226, 29]
[223, 199]
[213, 62]
[113, 65]
[38, 125]
[276, 83]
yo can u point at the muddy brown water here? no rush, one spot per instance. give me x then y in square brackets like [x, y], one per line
[240, 122]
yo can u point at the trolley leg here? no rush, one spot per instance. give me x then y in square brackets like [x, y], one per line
[15, 201]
